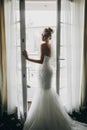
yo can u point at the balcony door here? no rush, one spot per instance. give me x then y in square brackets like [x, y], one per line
[34, 16]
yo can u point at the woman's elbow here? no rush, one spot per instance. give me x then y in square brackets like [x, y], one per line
[41, 62]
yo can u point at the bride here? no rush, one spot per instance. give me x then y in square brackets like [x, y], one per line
[46, 111]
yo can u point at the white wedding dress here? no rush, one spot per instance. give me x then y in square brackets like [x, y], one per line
[46, 111]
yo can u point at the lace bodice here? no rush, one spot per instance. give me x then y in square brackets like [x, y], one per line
[45, 73]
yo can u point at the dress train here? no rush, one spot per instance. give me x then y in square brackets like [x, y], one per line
[46, 111]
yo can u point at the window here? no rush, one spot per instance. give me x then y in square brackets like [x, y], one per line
[39, 15]
[65, 42]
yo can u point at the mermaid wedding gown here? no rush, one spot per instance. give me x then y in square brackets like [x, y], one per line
[46, 111]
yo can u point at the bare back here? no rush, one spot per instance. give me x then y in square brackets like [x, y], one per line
[46, 49]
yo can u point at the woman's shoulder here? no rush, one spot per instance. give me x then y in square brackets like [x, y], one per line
[43, 44]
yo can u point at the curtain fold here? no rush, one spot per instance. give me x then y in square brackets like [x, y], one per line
[10, 22]
[76, 52]
[84, 73]
[3, 62]
[73, 24]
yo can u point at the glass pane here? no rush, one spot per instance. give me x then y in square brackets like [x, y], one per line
[65, 11]
[65, 45]
[65, 34]
[62, 64]
[63, 52]
[18, 61]
[18, 33]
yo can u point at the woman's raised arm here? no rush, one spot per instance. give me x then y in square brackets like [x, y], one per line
[40, 61]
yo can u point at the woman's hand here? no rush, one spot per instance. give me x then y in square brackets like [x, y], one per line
[25, 54]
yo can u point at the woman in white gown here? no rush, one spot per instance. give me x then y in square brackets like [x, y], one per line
[46, 111]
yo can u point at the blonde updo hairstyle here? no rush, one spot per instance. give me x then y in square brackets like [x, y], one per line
[49, 32]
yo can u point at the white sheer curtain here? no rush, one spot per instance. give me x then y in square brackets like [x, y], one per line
[13, 48]
[74, 51]
[74, 47]
[11, 55]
